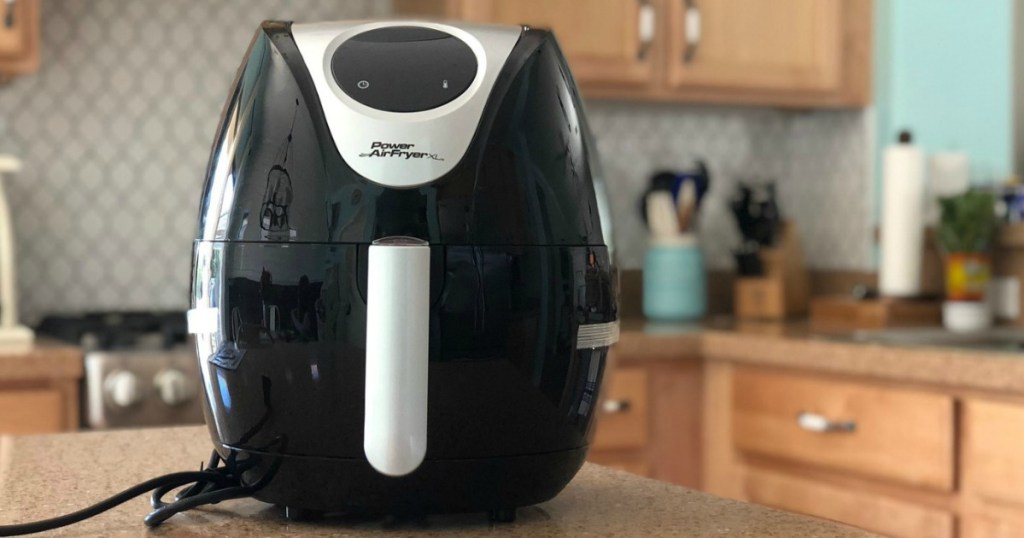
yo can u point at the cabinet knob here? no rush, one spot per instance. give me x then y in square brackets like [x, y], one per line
[615, 406]
[691, 29]
[9, 7]
[816, 423]
[123, 389]
[174, 387]
[646, 25]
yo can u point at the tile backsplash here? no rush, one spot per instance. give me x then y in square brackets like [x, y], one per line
[115, 142]
[115, 131]
[820, 161]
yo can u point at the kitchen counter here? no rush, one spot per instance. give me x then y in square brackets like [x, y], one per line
[652, 340]
[795, 345]
[42, 476]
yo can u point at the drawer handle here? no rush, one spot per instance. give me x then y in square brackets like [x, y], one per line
[645, 28]
[692, 29]
[615, 406]
[816, 423]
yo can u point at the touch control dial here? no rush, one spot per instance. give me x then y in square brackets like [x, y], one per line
[404, 68]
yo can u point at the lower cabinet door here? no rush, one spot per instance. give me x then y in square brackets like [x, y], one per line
[26, 411]
[623, 421]
[993, 523]
[884, 515]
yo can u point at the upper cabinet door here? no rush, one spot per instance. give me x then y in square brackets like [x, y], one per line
[19, 37]
[608, 42]
[795, 48]
[790, 53]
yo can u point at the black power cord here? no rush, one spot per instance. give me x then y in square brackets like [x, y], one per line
[211, 485]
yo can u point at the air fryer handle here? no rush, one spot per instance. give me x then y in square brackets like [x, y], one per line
[397, 337]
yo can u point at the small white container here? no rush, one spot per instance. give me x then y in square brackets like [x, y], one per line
[966, 316]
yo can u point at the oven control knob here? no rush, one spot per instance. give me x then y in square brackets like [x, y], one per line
[174, 387]
[122, 388]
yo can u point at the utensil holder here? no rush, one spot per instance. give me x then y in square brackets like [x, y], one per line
[674, 282]
[784, 290]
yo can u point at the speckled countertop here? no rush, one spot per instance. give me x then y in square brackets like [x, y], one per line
[795, 345]
[42, 476]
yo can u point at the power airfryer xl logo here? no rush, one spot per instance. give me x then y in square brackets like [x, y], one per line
[401, 151]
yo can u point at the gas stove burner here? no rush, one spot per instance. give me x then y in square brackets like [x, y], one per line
[118, 330]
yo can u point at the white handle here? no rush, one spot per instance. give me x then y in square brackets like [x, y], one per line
[646, 24]
[692, 30]
[397, 338]
[616, 406]
[816, 423]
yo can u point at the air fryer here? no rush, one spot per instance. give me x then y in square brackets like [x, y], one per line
[403, 297]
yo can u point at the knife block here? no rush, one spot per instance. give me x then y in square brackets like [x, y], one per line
[784, 290]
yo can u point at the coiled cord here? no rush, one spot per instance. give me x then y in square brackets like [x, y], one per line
[211, 485]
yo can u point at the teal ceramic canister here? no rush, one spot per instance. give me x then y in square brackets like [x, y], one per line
[674, 281]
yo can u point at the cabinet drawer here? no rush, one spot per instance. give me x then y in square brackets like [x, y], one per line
[884, 515]
[623, 418]
[991, 522]
[27, 411]
[993, 450]
[892, 434]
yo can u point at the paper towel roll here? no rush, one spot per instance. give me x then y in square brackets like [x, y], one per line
[948, 175]
[902, 219]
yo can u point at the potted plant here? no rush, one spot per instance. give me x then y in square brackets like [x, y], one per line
[966, 235]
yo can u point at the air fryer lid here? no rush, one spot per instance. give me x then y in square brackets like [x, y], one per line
[378, 68]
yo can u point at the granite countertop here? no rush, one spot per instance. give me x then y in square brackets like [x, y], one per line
[45, 359]
[42, 476]
[796, 345]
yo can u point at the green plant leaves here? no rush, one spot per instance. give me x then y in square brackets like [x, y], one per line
[968, 222]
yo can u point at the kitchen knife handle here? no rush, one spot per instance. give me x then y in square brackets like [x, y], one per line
[646, 25]
[691, 30]
[397, 338]
[816, 423]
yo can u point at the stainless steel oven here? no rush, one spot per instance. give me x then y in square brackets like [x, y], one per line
[140, 367]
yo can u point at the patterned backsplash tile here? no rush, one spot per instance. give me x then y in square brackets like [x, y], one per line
[818, 159]
[116, 128]
[115, 131]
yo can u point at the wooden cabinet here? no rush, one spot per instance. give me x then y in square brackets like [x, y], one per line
[877, 456]
[906, 461]
[992, 522]
[649, 423]
[39, 389]
[877, 513]
[890, 434]
[624, 411]
[992, 459]
[604, 38]
[19, 37]
[993, 450]
[786, 50]
[796, 53]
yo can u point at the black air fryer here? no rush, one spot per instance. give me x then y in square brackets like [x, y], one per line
[402, 295]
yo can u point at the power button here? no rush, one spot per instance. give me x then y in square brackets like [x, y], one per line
[363, 84]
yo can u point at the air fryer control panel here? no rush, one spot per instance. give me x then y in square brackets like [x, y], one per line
[403, 99]
[404, 68]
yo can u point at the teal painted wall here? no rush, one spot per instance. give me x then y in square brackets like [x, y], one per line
[943, 69]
